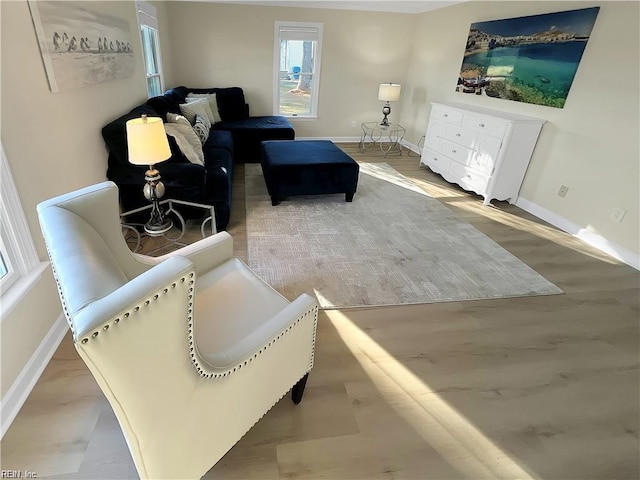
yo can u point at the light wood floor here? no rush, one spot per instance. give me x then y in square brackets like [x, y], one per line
[536, 387]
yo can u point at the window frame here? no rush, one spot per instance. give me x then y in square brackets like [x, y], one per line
[18, 249]
[314, 29]
[147, 18]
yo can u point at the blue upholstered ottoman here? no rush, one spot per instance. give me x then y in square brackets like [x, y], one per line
[307, 167]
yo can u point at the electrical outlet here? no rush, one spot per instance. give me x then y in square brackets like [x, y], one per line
[353, 124]
[563, 191]
[617, 214]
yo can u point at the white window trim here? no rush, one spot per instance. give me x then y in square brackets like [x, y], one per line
[316, 67]
[147, 16]
[17, 242]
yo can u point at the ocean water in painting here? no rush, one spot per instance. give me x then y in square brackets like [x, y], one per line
[530, 59]
[548, 68]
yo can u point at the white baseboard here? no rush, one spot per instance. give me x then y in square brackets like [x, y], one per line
[21, 388]
[595, 240]
[414, 148]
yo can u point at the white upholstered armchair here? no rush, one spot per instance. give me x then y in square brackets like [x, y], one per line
[191, 349]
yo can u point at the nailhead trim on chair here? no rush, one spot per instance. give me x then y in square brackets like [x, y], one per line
[136, 309]
[313, 340]
[207, 373]
[202, 370]
[65, 309]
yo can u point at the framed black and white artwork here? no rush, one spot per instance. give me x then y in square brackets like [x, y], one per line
[79, 45]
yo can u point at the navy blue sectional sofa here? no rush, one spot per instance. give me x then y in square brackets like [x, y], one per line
[236, 138]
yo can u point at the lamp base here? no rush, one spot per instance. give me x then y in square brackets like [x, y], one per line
[157, 229]
[386, 110]
[159, 223]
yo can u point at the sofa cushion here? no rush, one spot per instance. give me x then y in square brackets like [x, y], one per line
[187, 141]
[272, 123]
[220, 139]
[219, 168]
[177, 118]
[177, 156]
[231, 102]
[205, 105]
[197, 107]
[248, 133]
[167, 102]
[201, 129]
[213, 104]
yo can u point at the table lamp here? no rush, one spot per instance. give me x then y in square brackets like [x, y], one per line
[147, 144]
[388, 92]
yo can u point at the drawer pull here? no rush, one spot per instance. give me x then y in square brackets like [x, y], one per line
[445, 115]
[453, 151]
[481, 125]
[435, 159]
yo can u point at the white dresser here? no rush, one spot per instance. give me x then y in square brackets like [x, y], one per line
[484, 151]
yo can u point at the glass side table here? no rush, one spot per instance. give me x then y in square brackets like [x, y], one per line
[387, 137]
[134, 232]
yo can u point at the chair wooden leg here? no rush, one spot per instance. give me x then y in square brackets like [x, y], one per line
[298, 390]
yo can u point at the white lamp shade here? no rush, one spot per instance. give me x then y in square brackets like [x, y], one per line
[147, 141]
[389, 92]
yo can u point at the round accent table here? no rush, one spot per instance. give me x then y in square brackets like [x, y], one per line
[387, 137]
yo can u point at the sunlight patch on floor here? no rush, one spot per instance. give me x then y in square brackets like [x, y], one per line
[382, 172]
[446, 430]
[436, 190]
[552, 234]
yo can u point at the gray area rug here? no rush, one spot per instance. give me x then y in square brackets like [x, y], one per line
[392, 245]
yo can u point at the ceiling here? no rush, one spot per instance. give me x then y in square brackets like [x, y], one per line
[397, 6]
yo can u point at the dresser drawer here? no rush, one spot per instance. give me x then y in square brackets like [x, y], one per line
[435, 130]
[482, 163]
[446, 114]
[469, 179]
[487, 149]
[436, 161]
[433, 142]
[489, 125]
[460, 135]
[457, 152]
[488, 145]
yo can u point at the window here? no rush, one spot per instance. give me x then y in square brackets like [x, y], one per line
[3, 265]
[19, 262]
[297, 55]
[150, 47]
[8, 274]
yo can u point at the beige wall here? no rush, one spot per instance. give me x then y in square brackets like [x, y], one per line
[53, 144]
[218, 45]
[24, 328]
[590, 145]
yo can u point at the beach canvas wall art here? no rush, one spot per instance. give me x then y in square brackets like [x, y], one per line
[530, 59]
[79, 45]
